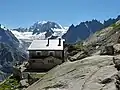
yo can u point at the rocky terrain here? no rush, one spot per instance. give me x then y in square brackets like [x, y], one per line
[12, 51]
[85, 74]
[92, 64]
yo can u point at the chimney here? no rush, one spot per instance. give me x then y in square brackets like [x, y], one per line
[48, 42]
[59, 42]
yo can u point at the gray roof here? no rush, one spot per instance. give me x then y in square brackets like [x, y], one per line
[41, 45]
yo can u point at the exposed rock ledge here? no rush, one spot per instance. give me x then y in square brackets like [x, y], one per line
[91, 73]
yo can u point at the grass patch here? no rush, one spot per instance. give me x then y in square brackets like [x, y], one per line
[10, 84]
[79, 46]
[37, 75]
[115, 26]
[98, 32]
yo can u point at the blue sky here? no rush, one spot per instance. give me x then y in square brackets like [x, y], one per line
[15, 13]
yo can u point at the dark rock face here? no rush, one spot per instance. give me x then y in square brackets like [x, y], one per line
[117, 83]
[116, 61]
[86, 29]
[48, 33]
[82, 31]
[11, 52]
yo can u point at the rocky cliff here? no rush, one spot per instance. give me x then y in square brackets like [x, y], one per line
[11, 52]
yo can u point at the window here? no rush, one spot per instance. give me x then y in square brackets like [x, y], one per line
[51, 53]
[38, 53]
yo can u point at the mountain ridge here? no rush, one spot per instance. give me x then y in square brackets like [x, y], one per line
[49, 29]
[85, 29]
[40, 30]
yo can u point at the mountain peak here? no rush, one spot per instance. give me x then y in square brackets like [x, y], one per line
[42, 26]
[3, 27]
[42, 22]
[40, 29]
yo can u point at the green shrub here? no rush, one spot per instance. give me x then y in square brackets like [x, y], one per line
[115, 26]
[79, 46]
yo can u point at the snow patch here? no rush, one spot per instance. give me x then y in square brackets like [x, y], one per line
[28, 35]
[42, 22]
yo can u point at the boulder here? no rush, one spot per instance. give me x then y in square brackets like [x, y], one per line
[25, 75]
[116, 48]
[107, 50]
[118, 40]
[116, 61]
[24, 83]
[78, 56]
[117, 82]
[17, 73]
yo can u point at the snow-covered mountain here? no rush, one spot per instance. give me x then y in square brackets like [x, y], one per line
[40, 30]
